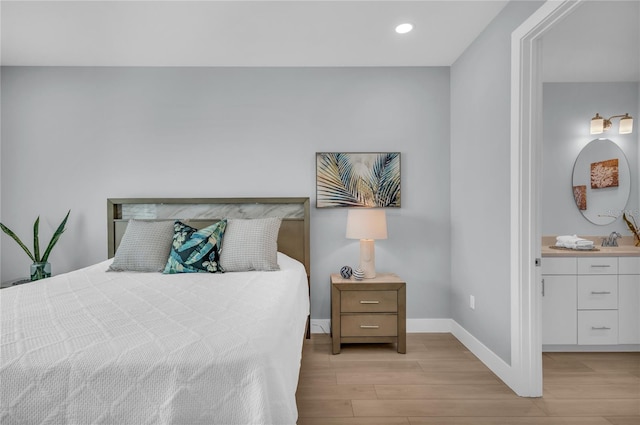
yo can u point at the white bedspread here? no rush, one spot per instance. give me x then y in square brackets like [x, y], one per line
[97, 347]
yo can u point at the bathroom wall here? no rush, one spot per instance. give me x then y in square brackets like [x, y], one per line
[567, 110]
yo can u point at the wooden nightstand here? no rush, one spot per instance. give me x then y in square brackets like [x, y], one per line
[369, 310]
[15, 282]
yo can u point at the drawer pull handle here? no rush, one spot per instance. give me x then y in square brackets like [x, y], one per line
[600, 265]
[369, 327]
[369, 302]
[600, 292]
[601, 328]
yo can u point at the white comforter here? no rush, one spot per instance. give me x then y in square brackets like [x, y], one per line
[97, 347]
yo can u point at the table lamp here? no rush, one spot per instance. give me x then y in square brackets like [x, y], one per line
[367, 225]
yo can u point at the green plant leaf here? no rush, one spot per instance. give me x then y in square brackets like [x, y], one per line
[17, 239]
[633, 227]
[36, 241]
[54, 238]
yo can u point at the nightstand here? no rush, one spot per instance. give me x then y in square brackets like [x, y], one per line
[14, 282]
[369, 310]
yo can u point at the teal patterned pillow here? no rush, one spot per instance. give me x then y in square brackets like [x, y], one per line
[196, 250]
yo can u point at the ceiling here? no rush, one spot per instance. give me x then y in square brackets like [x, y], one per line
[600, 41]
[240, 33]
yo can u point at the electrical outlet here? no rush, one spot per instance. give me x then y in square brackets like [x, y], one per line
[472, 302]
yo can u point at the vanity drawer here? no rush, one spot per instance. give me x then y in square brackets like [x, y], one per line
[369, 301]
[598, 292]
[599, 327]
[629, 265]
[551, 265]
[369, 325]
[598, 265]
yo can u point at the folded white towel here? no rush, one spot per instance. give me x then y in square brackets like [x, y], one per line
[566, 238]
[573, 242]
[585, 247]
[584, 242]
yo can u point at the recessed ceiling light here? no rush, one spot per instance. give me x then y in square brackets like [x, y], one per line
[404, 28]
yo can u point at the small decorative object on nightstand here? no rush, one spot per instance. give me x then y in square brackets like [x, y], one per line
[358, 274]
[373, 310]
[346, 272]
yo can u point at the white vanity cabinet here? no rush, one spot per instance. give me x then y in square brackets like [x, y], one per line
[559, 302]
[629, 300]
[597, 300]
[590, 301]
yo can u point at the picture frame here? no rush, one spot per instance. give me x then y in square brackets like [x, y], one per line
[580, 195]
[604, 174]
[358, 180]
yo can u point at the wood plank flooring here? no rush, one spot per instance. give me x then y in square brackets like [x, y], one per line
[440, 382]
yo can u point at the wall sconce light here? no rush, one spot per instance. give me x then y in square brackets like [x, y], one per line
[599, 124]
[367, 224]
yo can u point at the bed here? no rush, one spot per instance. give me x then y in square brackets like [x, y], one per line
[128, 347]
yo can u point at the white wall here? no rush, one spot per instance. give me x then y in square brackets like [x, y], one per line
[567, 110]
[73, 137]
[480, 204]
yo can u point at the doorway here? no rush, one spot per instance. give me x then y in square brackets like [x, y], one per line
[526, 166]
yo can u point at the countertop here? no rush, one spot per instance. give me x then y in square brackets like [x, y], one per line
[625, 248]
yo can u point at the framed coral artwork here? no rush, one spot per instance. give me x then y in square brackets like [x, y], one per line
[604, 174]
[357, 179]
[580, 195]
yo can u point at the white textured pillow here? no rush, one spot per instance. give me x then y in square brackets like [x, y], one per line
[145, 247]
[250, 245]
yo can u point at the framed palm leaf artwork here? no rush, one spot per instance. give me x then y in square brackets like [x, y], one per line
[350, 179]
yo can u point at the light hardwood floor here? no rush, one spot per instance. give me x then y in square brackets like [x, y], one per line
[440, 382]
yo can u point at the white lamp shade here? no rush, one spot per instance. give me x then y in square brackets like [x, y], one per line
[626, 125]
[597, 125]
[366, 223]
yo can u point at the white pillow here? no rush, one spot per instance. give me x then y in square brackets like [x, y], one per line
[145, 247]
[250, 245]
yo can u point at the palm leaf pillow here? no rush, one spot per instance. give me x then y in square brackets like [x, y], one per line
[196, 251]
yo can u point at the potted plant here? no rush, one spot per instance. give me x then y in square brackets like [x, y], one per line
[40, 267]
[633, 227]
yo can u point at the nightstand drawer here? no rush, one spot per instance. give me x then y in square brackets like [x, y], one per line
[369, 325]
[369, 301]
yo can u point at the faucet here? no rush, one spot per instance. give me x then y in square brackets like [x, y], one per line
[612, 239]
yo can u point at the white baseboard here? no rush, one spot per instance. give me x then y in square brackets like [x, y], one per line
[498, 366]
[320, 326]
[590, 348]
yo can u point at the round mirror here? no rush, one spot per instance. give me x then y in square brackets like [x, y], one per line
[601, 181]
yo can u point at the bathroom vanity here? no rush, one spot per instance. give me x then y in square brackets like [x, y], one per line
[591, 299]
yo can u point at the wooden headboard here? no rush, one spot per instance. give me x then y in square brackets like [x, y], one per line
[293, 238]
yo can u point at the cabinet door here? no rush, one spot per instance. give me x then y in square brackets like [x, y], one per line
[629, 309]
[629, 265]
[559, 310]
